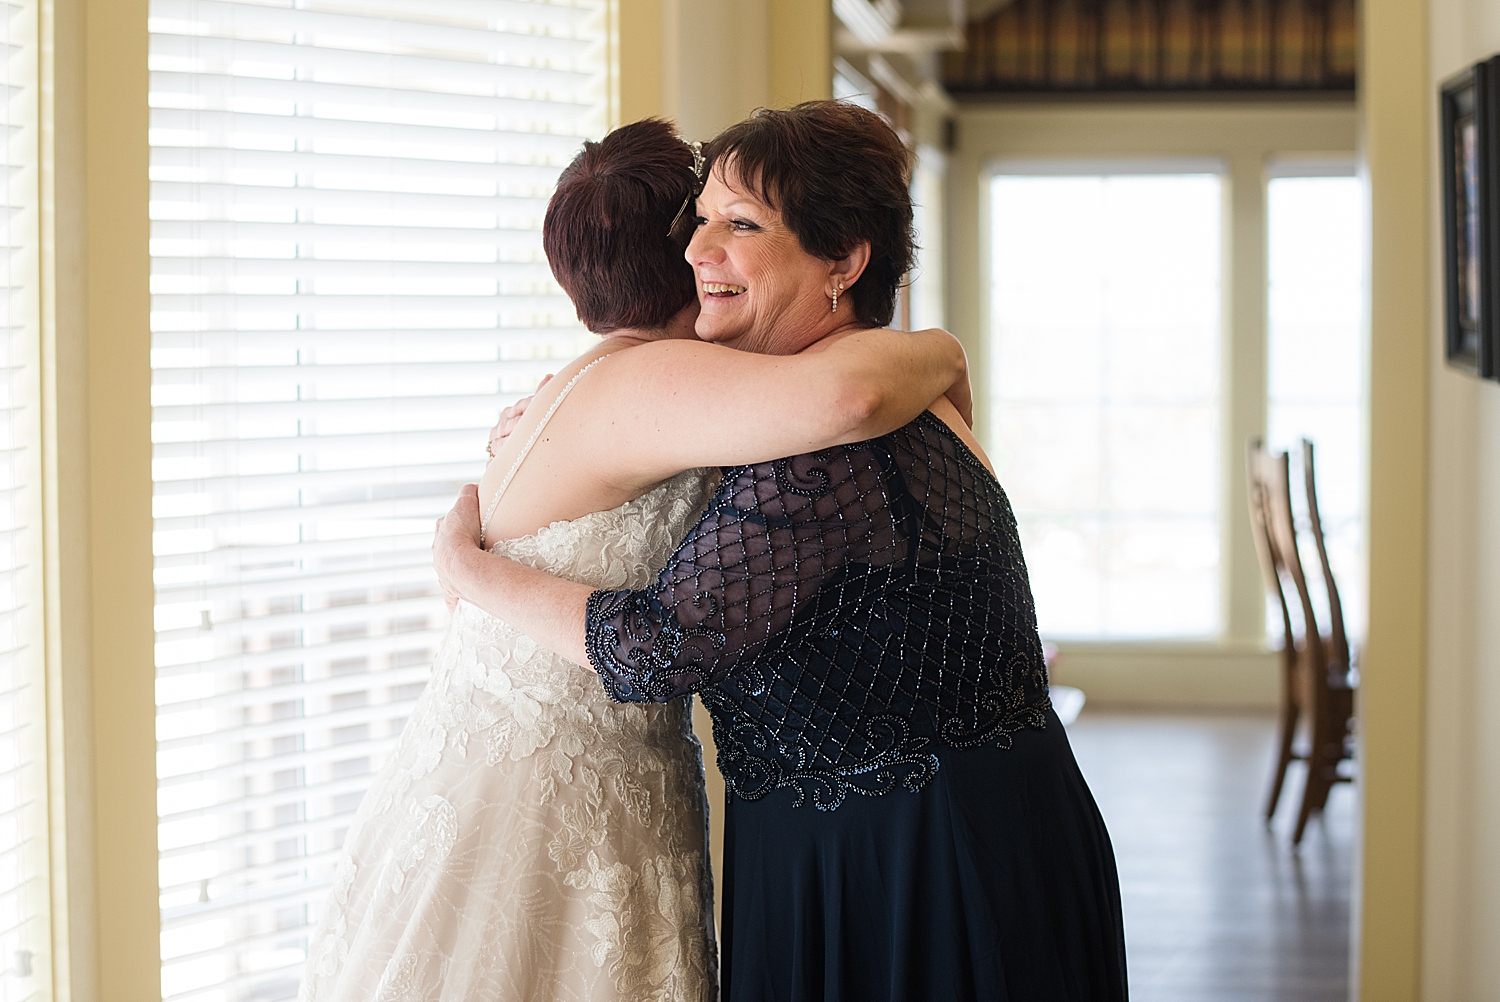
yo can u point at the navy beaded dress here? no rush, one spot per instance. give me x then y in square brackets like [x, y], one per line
[904, 817]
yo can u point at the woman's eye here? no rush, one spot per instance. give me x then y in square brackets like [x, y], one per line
[744, 224]
[698, 221]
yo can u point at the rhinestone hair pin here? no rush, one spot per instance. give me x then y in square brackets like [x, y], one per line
[698, 179]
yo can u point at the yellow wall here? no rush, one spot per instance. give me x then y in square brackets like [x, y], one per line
[119, 340]
[97, 499]
[706, 64]
[638, 57]
[800, 52]
[1461, 878]
[1395, 142]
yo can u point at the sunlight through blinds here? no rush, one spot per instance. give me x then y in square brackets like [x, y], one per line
[348, 283]
[25, 959]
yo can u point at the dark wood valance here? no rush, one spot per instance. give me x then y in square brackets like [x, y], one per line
[1226, 47]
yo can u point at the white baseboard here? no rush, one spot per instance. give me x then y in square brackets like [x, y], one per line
[1159, 673]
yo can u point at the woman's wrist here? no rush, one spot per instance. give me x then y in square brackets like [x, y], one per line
[470, 567]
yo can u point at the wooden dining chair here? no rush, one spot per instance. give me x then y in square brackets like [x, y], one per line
[1336, 705]
[1318, 686]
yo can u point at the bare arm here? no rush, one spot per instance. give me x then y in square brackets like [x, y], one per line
[549, 610]
[684, 403]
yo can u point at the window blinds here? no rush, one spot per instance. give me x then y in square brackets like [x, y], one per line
[25, 962]
[348, 283]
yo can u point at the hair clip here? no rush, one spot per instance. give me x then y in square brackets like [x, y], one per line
[698, 164]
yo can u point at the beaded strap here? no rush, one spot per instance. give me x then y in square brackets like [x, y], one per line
[526, 449]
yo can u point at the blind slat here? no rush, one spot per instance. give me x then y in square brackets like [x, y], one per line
[215, 165]
[270, 559]
[177, 89]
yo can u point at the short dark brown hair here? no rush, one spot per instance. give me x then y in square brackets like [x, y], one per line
[606, 229]
[838, 174]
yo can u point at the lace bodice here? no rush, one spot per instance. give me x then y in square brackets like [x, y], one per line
[837, 612]
[547, 693]
[530, 839]
[619, 545]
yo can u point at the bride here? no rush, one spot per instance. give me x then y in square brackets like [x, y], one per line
[529, 839]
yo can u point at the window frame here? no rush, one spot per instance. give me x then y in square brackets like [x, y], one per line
[1109, 167]
[1234, 668]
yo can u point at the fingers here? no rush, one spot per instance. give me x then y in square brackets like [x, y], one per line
[511, 416]
[961, 396]
[462, 520]
[466, 505]
[454, 536]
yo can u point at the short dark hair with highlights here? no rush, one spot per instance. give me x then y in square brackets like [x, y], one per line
[839, 175]
[606, 229]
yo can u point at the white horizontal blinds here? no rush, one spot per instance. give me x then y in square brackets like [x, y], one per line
[348, 282]
[25, 961]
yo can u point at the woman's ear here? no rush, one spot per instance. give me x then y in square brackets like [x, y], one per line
[845, 271]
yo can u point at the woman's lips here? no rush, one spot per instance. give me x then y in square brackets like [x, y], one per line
[722, 289]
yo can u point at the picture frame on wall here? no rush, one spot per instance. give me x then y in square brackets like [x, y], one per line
[1471, 264]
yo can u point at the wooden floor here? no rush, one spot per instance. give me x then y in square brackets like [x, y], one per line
[1217, 907]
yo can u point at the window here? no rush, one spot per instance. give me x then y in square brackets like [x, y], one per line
[850, 85]
[1105, 395]
[1316, 371]
[347, 282]
[925, 288]
[25, 888]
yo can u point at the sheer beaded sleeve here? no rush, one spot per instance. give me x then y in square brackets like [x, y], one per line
[766, 562]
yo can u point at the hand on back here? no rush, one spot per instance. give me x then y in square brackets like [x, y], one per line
[510, 417]
[456, 537]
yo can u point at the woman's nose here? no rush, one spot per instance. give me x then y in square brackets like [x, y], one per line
[704, 247]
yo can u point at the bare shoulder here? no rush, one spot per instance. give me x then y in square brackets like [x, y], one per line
[574, 382]
[671, 354]
[676, 372]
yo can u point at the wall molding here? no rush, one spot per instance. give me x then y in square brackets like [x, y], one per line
[1220, 676]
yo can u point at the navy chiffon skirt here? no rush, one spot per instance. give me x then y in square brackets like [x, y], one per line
[994, 883]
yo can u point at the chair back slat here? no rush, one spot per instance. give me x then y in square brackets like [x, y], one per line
[1337, 637]
[1281, 526]
[1256, 459]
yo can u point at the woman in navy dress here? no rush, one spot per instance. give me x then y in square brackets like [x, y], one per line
[904, 817]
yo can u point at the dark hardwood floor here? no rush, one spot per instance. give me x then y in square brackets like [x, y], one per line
[1217, 907]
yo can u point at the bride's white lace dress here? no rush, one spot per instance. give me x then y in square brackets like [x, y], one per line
[529, 839]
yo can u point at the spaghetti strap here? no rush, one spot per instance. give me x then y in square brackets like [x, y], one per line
[526, 449]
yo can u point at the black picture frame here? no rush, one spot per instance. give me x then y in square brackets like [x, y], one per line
[1471, 217]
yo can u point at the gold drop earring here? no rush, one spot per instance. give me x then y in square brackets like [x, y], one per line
[836, 290]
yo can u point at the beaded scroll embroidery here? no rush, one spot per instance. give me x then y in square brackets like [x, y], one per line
[838, 612]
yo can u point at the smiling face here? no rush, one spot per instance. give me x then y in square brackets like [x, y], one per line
[758, 289]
